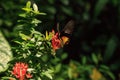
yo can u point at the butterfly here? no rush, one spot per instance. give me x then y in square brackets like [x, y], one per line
[65, 34]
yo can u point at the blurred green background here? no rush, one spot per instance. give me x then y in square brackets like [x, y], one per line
[97, 28]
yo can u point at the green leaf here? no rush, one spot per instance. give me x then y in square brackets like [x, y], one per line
[28, 4]
[115, 2]
[67, 10]
[27, 9]
[64, 56]
[24, 37]
[110, 48]
[104, 67]
[48, 73]
[51, 9]
[58, 68]
[110, 74]
[22, 15]
[95, 58]
[38, 78]
[99, 6]
[51, 1]
[35, 21]
[8, 78]
[107, 72]
[84, 60]
[65, 2]
[39, 13]
[115, 65]
[70, 73]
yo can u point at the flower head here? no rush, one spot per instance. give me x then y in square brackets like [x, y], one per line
[56, 43]
[20, 71]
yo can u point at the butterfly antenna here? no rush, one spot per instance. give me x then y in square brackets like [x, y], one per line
[58, 28]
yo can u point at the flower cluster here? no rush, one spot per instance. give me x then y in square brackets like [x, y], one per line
[20, 71]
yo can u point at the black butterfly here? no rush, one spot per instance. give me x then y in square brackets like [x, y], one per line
[65, 34]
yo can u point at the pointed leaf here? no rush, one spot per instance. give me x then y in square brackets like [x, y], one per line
[95, 58]
[28, 4]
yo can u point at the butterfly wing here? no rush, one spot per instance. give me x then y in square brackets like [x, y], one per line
[68, 29]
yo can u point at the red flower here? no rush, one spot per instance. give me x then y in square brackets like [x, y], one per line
[20, 71]
[56, 43]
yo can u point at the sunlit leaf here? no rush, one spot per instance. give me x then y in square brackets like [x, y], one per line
[35, 7]
[27, 9]
[28, 4]
[22, 15]
[5, 53]
[48, 73]
[24, 37]
[46, 35]
[35, 22]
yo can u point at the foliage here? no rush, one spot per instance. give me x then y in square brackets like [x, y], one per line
[88, 68]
